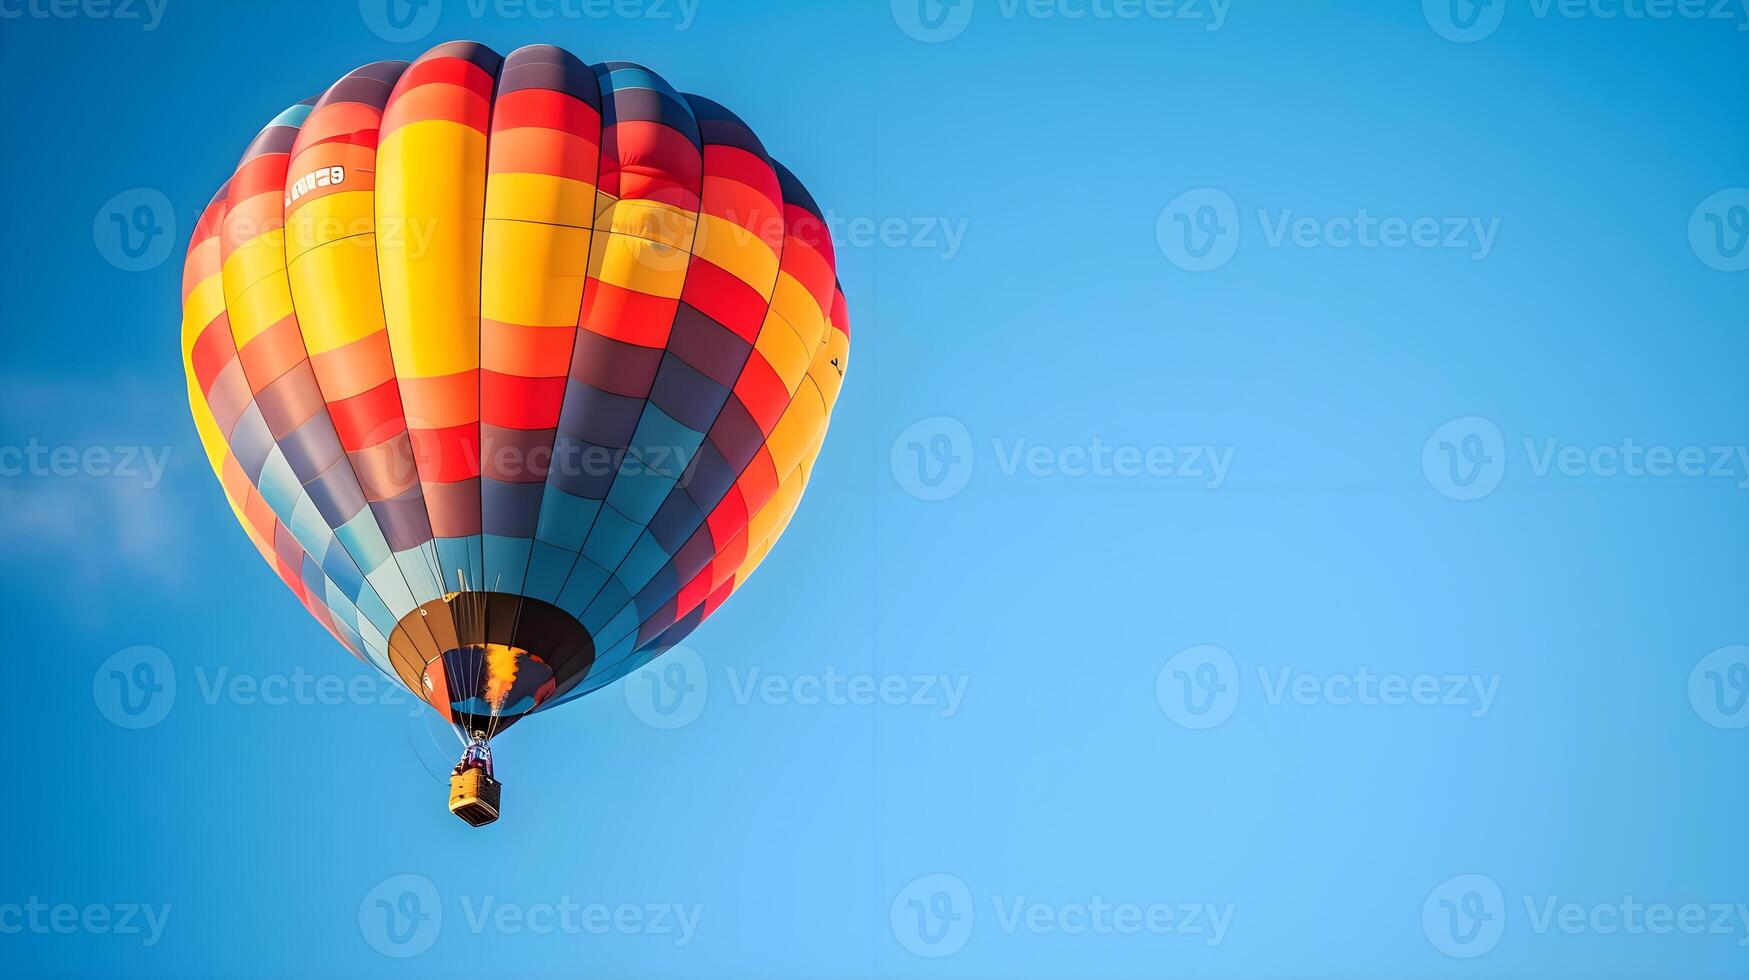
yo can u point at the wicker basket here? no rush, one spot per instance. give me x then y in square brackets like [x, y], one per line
[473, 796]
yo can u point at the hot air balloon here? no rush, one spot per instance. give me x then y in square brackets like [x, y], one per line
[513, 368]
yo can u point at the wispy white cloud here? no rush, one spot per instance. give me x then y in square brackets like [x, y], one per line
[97, 481]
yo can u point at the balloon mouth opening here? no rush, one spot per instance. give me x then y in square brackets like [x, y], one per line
[483, 660]
[491, 680]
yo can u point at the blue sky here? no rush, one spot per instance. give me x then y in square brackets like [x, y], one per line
[1285, 517]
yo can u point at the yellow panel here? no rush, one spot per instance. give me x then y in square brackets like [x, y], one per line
[770, 523]
[330, 218]
[261, 306]
[211, 440]
[797, 428]
[335, 290]
[255, 260]
[205, 301]
[765, 522]
[540, 197]
[754, 557]
[534, 273]
[796, 305]
[650, 220]
[804, 474]
[789, 357]
[633, 263]
[430, 200]
[737, 251]
[826, 374]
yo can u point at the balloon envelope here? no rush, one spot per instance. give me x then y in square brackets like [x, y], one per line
[512, 368]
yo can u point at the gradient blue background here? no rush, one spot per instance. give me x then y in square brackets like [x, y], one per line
[1056, 599]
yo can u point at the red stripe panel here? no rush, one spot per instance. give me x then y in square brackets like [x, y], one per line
[213, 349]
[443, 70]
[724, 298]
[762, 391]
[369, 418]
[627, 315]
[521, 403]
[544, 108]
[447, 455]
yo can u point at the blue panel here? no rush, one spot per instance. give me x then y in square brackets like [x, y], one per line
[565, 519]
[638, 493]
[585, 583]
[461, 554]
[605, 613]
[339, 568]
[364, 540]
[547, 568]
[612, 538]
[371, 607]
[665, 445]
[642, 564]
[251, 442]
[506, 563]
[279, 486]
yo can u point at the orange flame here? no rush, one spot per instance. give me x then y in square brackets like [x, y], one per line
[501, 666]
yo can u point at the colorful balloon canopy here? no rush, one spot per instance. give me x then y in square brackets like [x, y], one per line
[513, 368]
